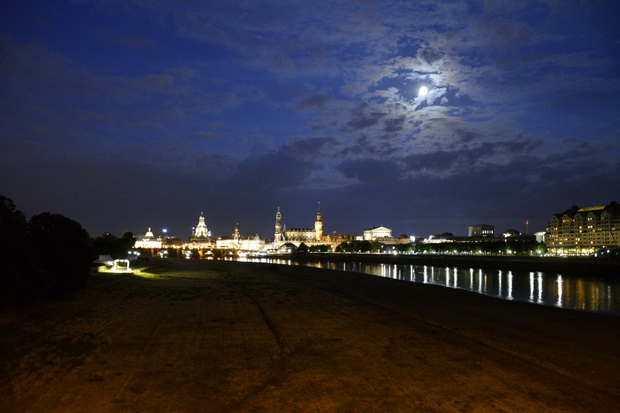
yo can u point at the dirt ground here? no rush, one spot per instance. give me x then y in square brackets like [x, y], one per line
[204, 336]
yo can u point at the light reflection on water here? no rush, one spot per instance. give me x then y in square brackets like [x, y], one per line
[579, 293]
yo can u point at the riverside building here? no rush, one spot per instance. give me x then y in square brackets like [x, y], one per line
[377, 233]
[298, 235]
[582, 231]
[240, 242]
[284, 238]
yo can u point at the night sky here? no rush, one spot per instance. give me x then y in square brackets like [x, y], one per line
[130, 114]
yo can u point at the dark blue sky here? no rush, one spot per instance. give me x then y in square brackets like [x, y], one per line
[131, 114]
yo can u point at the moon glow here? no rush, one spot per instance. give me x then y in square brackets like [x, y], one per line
[423, 91]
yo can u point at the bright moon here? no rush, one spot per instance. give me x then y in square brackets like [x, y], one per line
[423, 91]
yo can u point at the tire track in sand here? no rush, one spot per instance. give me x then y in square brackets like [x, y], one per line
[276, 374]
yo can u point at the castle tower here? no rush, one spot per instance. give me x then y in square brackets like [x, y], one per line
[278, 235]
[318, 224]
[237, 235]
[201, 229]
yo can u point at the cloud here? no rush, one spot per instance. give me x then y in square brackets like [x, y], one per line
[271, 172]
[207, 135]
[394, 125]
[38, 82]
[428, 55]
[370, 170]
[316, 100]
[435, 161]
[361, 118]
[309, 148]
[248, 102]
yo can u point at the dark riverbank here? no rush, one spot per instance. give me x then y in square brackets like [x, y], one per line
[581, 266]
[219, 336]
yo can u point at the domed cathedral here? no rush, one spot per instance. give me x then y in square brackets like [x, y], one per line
[201, 232]
[298, 235]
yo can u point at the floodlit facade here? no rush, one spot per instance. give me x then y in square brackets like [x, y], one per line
[375, 233]
[201, 232]
[239, 242]
[148, 241]
[580, 231]
[298, 235]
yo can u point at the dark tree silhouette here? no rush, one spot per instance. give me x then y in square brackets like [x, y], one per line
[109, 244]
[18, 263]
[65, 250]
[320, 248]
[302, 249]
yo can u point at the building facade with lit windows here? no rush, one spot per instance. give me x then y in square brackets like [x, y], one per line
[298, 235]
[285, 238]
[236, 241]
[582, 231]
[481, 230]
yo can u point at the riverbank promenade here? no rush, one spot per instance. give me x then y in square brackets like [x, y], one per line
[217, 336]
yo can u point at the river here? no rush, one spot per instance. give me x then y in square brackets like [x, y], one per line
[557, 290]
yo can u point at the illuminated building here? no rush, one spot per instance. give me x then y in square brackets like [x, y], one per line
[540, 236]
[148, 241]
[298, 235]
[201, 232]
[376, 233]
[584, 230]
[481, 230]
[511, 233]
[201, 236]
[239, 242]
[285, 239]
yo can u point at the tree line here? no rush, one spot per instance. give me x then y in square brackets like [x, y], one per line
[494, 246]
[49, 255]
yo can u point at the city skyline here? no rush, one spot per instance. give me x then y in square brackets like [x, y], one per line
[424, 117]
[189, 232]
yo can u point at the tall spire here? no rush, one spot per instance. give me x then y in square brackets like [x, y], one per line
[237, 235]
[278, 236]
[318, 224]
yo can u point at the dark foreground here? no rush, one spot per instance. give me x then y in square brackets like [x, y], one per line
[195, 336]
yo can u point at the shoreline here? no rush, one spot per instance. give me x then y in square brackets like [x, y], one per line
[583, 266]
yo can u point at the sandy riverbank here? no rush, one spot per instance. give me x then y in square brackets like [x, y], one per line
[196, 336]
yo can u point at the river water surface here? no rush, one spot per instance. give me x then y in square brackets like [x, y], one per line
[557, 290]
